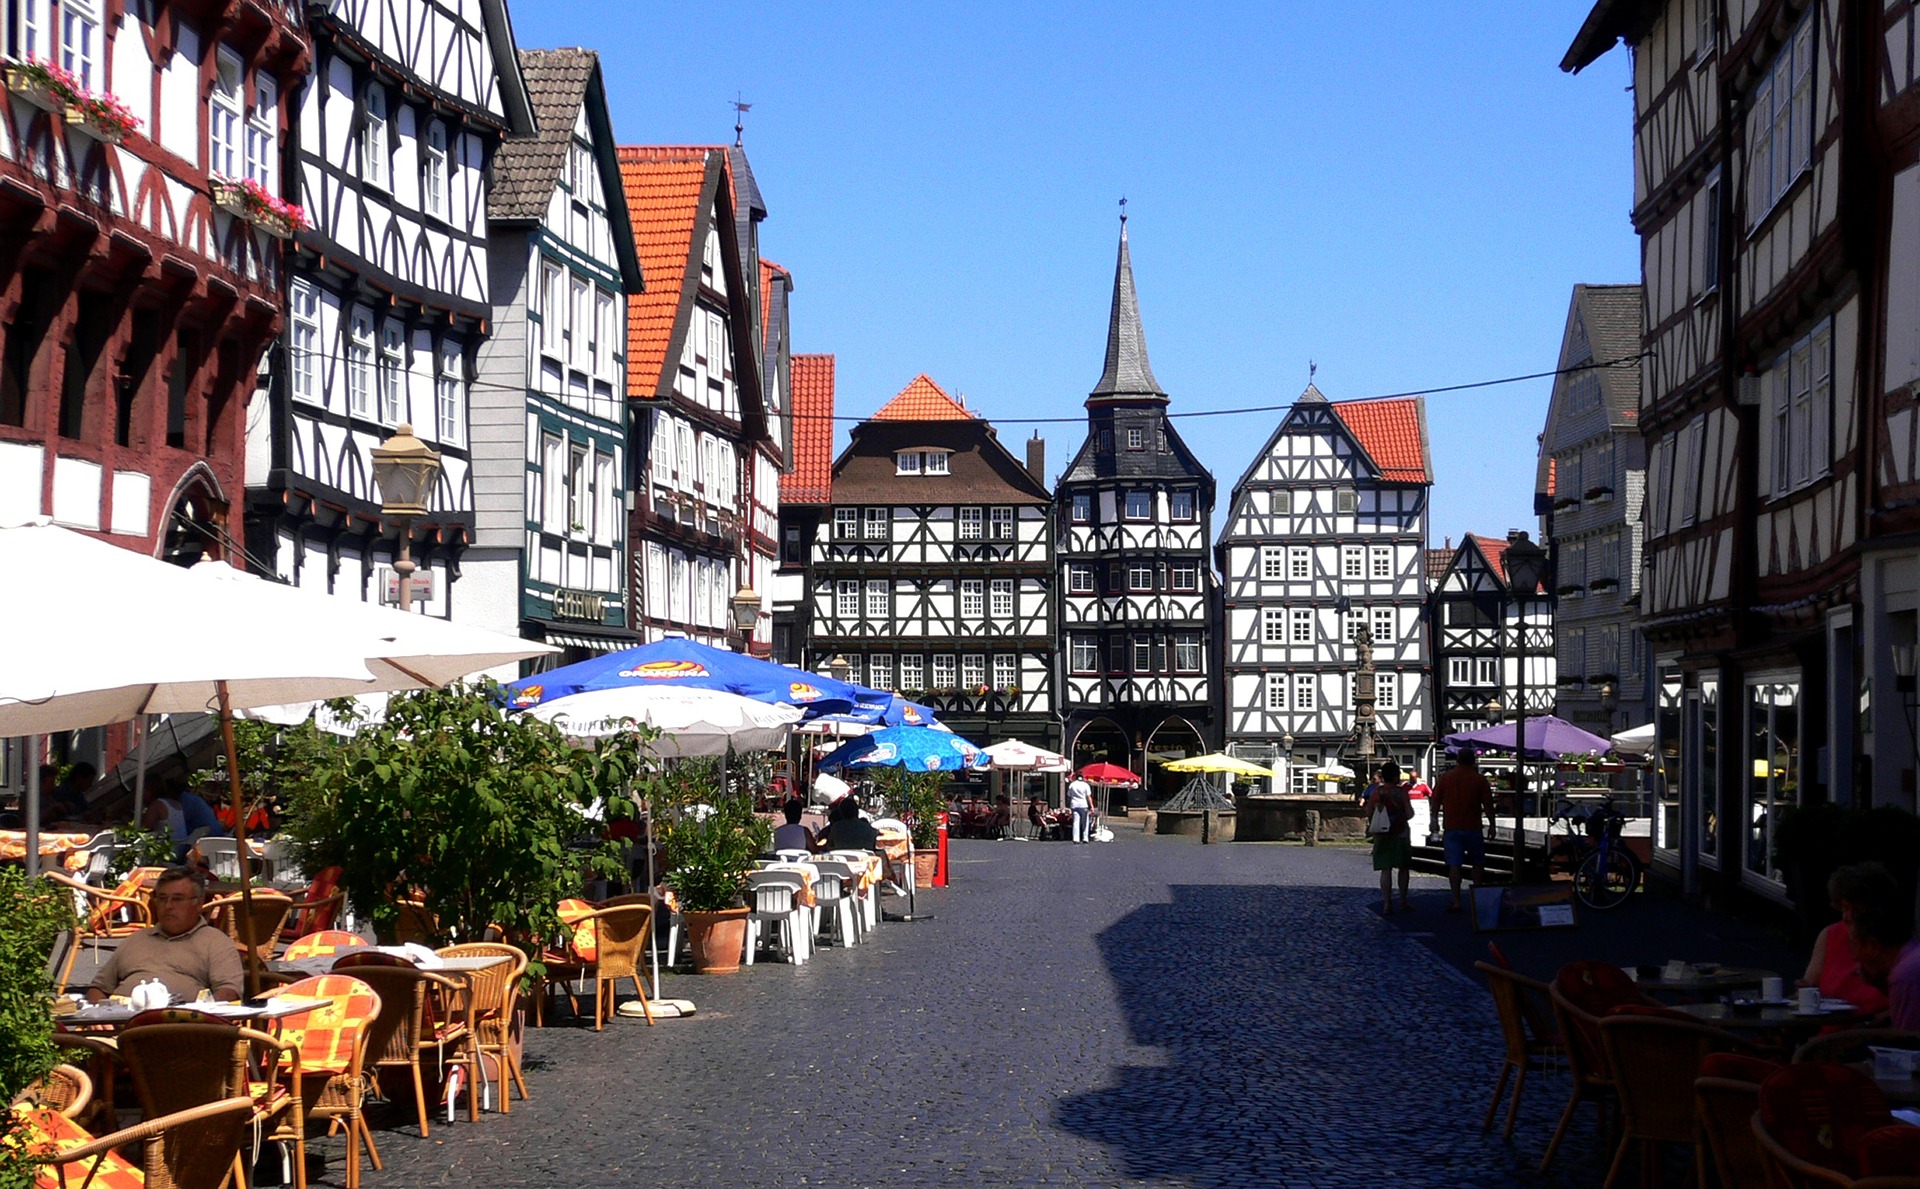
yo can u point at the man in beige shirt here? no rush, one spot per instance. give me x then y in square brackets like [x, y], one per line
[181, 950]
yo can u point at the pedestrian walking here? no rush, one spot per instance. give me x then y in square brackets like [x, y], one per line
[1389, 813]
[1466, 802]
[1080, 801]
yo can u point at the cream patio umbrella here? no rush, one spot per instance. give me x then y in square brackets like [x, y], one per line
[693, 722]
[1013, 755]
[1219, 761]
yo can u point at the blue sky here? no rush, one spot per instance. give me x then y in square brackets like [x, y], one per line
[1403, 193]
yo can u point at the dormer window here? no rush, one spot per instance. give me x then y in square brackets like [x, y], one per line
[920, 462]
[1136, 438]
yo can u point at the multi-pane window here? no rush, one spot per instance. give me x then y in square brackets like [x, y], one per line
[1143, 654]
[1080, 579]
[1006, 670]
[1082, 509]
[1186, 652]
[1140, 577]
[1276, 691]
[876, 524]
[1459, 670]
[879, 599]
[1002, 522]
[447, 388]
[393, 361]
[433, 181]
[1185, 575]
[1300, 630]
[906, 462]
[1383, 625]
[1139, 505]
[552, 308]
[1486, 670]
[1181, 506]
[1344, 501]
[943, 671]
[577, 300]
[373, 138]
[970, 524]
[1356, 619]
[920, 462]
[913, 671]
[846, 523]
[1780, 123]
[973, 593]
[226, 115]
[1306, 693]
[553, 490]
[26, 32]
[1386, 691]
[1136, 438]
[80, 42]
[1273, 625]
[1353, 560]
[973, 670]
[717, 362]
[846, 602]
[1380, 558]
[263, 133]
[603, 331]
[880, 672]
[1084, 653]
[1299, 562]
[1801, 384]
[578, 498]
[1273, 563]
[360, 364]
[303, 341]
[1002, 595]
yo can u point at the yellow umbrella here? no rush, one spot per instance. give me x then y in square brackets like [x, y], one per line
[1219, 762]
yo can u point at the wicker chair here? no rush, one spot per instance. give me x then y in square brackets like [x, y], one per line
[254, 931]
[1655, 1062]
[100, 1057]
[1582, 992]
[1852, 1044]
[105, 916]
[1725, 1095]
[416, 923]
[1811, 1119]
[66, 1089]
[403, 989]
[1532, 1043]
[618, 936]
[197, 1148]
[323, 944]
[496, 1011]
[317, 907]
[333, 1042]
[178, 1059]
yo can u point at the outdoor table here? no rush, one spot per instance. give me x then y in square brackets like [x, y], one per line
[53, 845]
[114, 1016]
[1900, 1091]
[1767, 1018]
[1721, 978]
[807, 873]
[323, 963]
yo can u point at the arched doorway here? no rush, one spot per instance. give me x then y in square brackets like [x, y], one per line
[1174, 739]
[195, 524]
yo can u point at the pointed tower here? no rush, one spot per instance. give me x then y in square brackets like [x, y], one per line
[1135, 511]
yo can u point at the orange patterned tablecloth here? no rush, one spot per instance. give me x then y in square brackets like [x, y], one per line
[48, 1129]
[66, 847]
[807, 873]
[895, 844]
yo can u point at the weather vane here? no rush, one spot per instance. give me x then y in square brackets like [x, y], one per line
[1312, 370]
[1123, 209]
[740, 111]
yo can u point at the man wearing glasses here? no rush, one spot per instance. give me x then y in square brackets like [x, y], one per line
[181, 950]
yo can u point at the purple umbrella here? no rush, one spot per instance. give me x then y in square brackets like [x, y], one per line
[1548, 738]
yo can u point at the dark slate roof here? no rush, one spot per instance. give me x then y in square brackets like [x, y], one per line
[981, 469]
[526, 168]
[1128, 375]
[1612, 316]
[1609, 21]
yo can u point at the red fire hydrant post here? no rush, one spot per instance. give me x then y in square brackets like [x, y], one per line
[940, 863]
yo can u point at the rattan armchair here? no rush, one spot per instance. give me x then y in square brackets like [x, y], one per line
[104, 915]
[1581, 993]
[99, 1056]
[495, 991]
[333, 1042]
[1654, 1062]
[254, 931]
[196, 1148]
[66, 1089]
[184, 1059]
[1531, 1042]
[619, 935]
[403, 989]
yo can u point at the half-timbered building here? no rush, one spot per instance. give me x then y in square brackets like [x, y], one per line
[1133, 517]
[806, 493]
[1327, 530]
[933, 574]
[1592, 439]
[390, 295]
[706, 504]
[549, 408]
[1486, 640]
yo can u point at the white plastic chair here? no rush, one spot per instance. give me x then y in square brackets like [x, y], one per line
[868, 900]
[833, 892]
[792, 856]
[222, 856]
[775, 897]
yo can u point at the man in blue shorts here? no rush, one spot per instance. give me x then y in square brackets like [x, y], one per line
[1466, 802]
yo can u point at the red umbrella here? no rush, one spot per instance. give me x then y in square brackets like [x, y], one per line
[1104, 773]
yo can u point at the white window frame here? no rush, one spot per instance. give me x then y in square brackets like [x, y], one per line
[973, 670]
[906, 462]
[1353, 562]
[263, 132]
[1300, 625]
[303, 342]
[227, 115]
[1801, 387]
[1183, 577]
[913, 671]
[1080, 509]
[1273, 625]
[973, 599]
[393, 366]
[1006, 670]
[1127, 505]
[449, 388]
[1136, 438]
[880, 671]
[1380, 562]
[1276, 691]
[1186, 652]
[552, 308]
[1299, 563]
[1780, 131]
[972, 524]
[846, 599]
[935, 462]
[603, 332]
[1192, 502]
[1273, 563]
[846, 524]
[433, 182]
[1460, 670]
[1386, 691]
[1000, 523]
[1080, 579]
[879, 599]
[81, 33]
[1084, 653]
[27, 36]
[553, 484]
[1383, 625]
[376, 162]
[360, 363]
[876, 524]
[945, 671]
[579, 294]
[1486, 671]
[1000, 598]
[1306, 692]
[1141, 577]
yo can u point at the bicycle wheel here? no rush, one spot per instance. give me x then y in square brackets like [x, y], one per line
[1605, 879]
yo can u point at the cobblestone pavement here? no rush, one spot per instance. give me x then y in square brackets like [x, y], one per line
[1151, 1012]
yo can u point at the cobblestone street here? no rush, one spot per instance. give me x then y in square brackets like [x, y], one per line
[1149, 1012]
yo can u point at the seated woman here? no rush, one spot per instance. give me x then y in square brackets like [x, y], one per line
[1002, 817]
[1833, 967]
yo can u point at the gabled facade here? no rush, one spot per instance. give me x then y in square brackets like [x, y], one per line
[1133, 515]
[933, 572]
[1485, 641]
[806, 495]
[549, 434]
[136, 298]
[390, 296]
[1598, 458]
[1331, 512]
[705, 504]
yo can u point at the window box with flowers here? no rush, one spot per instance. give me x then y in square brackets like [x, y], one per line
[1010, 691]
[97, 114]
[247, 199]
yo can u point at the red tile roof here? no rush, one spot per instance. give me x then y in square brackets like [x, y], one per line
[1495, 551]
[1394, 432]
[663, 185]
[923, 400]
[811, 480]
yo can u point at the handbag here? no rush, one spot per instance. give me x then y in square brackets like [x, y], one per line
[1381, 823]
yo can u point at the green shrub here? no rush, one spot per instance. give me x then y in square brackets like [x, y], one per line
[710, 832]
[32, 915]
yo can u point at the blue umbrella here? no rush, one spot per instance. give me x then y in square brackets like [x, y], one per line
[881, 709]
[917, 749]
[683, 663]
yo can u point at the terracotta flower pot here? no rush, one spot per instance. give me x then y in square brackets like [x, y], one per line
[924, 862]
[716, 939]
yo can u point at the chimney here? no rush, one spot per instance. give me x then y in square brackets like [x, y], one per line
[1037, 458]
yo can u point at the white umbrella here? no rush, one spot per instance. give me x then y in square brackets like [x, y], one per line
[1329, 771]
[1635, 740]
[695, 722]
[1014, 755]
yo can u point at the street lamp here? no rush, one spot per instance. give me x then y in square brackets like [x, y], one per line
[1526, 566]
[405, 469]
[1609, 702]
[746, 613]
[839, 668]
[1286, 745]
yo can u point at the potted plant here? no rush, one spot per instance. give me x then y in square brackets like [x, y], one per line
[920, 799]
[712, 837]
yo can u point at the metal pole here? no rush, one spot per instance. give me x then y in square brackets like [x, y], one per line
[403, 565]
[240, 834]
[1520, 751]
[33, 805]
[140, 773]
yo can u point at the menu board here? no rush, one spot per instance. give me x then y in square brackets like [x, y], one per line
[1523, 906]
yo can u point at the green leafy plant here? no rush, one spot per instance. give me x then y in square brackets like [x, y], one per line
[486, 817]
[140, 848]
[32, 915]
[919, 798]
[277, 762]
[711, 835]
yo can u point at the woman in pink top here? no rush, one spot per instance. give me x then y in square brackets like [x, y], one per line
[1833, 967]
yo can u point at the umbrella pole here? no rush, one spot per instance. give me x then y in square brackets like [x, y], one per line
[140, 773]
[240, 838]
[33, 805]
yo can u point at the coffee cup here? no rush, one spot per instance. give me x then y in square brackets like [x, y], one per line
[1809, 1000]
[1772, 988]
[1677, 969]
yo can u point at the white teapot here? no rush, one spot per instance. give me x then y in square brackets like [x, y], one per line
[150, 994]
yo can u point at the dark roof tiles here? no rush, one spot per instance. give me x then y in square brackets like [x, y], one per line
[526, 168]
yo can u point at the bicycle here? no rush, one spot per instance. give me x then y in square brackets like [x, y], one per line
[1604, 871]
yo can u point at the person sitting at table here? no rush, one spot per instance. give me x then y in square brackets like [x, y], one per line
[793, 835]
[1001, 818]
[181, 949]
[846, 829]
[1833, 967]
[165, 812]
[1889, 957]
[67, 801]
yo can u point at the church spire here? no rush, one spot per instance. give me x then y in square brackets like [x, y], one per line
[1128, 375]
